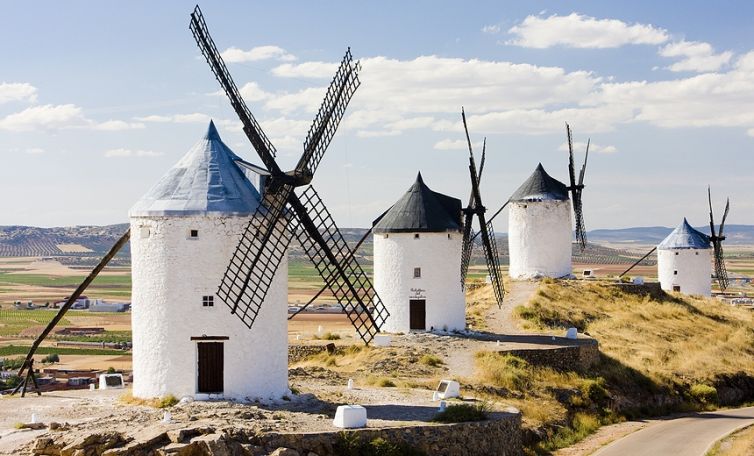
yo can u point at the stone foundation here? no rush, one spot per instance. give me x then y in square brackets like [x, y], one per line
[573, 358]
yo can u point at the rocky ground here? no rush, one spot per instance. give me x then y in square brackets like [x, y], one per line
[394, 383]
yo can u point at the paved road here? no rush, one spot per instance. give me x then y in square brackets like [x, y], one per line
[688, 436]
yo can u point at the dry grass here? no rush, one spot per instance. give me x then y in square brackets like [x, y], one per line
[479, 299]
[157, 402]
[675, 336]
[740, 443]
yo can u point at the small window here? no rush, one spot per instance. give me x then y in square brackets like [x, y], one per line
[449, 236]
[676, 253]
[696, 253]
[416, 235]
[675, 272]
[386, 236]
[208, 301]
[144, 232]
[194, 234]
[417, 273]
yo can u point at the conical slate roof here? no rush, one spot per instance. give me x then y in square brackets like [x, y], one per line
[206, 180]
[539, 187]
[685, 237]
[421, 210]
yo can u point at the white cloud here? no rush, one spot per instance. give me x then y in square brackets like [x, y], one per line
[580, 147]
[17, 91]
[491, 29]
[116, 125]
[122, 153]
[319, 70]
[194, 117]
[695, 56]
[377, 133]
[252, 92]
[43, 117]
[580, 31]
[457, 144]
[34, 151]
[236, 55]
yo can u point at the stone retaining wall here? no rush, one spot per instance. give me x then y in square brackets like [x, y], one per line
[577, 357]
[500, 435]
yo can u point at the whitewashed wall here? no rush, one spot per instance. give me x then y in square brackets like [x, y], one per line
[171, 273]
[395, 257]
[694, 268]
[539, 239]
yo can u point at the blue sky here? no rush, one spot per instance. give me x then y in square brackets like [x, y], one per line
[99, 99]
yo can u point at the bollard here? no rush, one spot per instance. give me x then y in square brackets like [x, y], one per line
[33, 418]
[350, 384]
[167, 417]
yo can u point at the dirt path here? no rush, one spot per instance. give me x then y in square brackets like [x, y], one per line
[460, 354]
[501, 320]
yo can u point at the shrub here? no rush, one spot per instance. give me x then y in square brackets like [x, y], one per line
[581, 426]
[328, 336]
[349, 444]
[505, 371]
[431, 360]
[459, 413]
[385, 382]
[166, 401]
[51, 358]
[704, 394]
[111, 370]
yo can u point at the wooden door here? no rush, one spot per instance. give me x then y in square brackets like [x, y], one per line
[417, 314]
[210, 367]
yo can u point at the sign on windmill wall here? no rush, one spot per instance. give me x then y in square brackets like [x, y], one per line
[418, 293]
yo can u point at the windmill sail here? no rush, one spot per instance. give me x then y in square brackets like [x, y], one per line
[576, 190]
[721, 273]
[486, 230]
[265, 240]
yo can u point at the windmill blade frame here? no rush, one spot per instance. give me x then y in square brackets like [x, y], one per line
[251, 127]
[331, 111]
[485, 228]
[576, 189]
[265, 241]
[328, 251]
[721, 272]
[257, 256]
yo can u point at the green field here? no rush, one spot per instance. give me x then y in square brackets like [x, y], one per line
[10, 350]
[13, 322]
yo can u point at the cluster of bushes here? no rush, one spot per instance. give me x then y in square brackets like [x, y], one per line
[350, 444]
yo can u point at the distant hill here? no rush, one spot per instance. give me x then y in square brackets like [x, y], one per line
[735, 234]
[84, 245]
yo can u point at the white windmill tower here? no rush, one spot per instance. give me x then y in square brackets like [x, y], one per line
[539, 222]
[417, 256]
[184, 230]
[683, 258]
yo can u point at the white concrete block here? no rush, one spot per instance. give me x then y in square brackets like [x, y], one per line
[639, 280]
[350, 416]
[382, 340]
[572, 333]
[111, 381]
[448, 389]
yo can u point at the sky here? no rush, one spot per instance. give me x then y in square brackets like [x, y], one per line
[99, 99]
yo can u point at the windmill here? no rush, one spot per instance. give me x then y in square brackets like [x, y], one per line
[717, 242]
[683, 256]
[284, 213]
[576, 189]
[475, 207]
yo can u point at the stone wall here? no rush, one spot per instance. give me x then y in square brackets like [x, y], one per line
[500, 436]
[577, 357]
[297, 353]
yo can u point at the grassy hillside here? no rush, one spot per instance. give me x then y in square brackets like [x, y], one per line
[661, 353]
